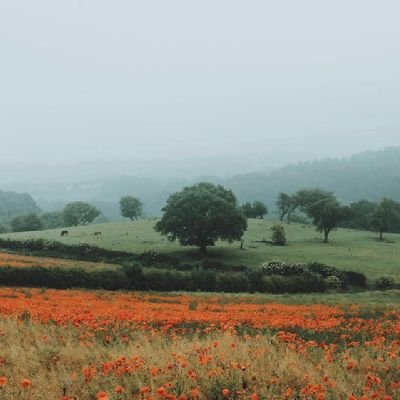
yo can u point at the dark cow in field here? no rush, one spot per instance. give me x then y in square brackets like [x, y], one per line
[97, 233]
[64, 233]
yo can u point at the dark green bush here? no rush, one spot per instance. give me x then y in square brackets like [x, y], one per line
[204, 280]
[353, 278]
[255, 278]
[323, 269]
[278, 235]
[385, 283]
[233, 283]
[134, 274]
[62, 278]
[305, 283]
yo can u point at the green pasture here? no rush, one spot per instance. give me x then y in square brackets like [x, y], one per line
[347, 249]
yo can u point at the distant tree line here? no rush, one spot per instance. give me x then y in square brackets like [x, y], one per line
[74, 214]
[326, 213]
[203, 213]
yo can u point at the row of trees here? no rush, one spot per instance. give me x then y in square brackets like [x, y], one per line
[74, 214]
[326, 212]
[203, 213]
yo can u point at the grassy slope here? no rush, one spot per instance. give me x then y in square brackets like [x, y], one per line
[348, 249]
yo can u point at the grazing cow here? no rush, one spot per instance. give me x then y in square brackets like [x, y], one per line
[97, 233]
[64, 233]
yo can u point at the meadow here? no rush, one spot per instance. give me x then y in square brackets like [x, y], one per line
[120, 345]
[66, 345]
[347, 249]
[24, 261]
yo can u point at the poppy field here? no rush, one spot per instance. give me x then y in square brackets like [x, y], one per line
[100, 345]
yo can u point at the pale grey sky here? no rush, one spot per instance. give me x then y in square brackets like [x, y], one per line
[82, 80]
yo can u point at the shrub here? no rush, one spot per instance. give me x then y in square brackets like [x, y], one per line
[334, 282]
[62, 278]
[305, 283]
[280, 268]
[335, 278]
[204, 280]
[149, 256]
[233, 283]
[278, 235]
[322, 269]
[355, 279]
[385, 283]
[255, 278]
[134, 273]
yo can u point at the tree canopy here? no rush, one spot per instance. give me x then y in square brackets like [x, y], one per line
[14, 204]
[79, 213]
[326, 214]
[23, 223]
[286, 205]
[131, 207]
[257, 209]
[385, 215]
[201, 214]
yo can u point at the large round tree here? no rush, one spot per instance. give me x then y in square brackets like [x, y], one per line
[79, 213]
[201, 214]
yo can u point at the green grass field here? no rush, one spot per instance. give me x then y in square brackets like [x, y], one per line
[347, 249]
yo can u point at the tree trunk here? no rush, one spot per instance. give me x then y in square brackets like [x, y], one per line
[326, 233]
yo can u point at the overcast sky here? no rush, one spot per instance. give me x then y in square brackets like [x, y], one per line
[91, 79]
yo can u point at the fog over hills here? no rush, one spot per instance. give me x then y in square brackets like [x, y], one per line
[99, 99]
[370, 175]
[94, 90]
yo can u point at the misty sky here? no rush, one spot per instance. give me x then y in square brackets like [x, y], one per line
[86, 80]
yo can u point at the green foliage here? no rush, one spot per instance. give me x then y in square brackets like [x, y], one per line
[331, 276]
[306, 283]
[286, 204]
[79, 213]
[14, 204]
[385, 216]
[385, 283]
[257, 209]
[134, 273]
[353, 278]
[359, 217]
[357, 251]
[334, 278]
[199, 215]
[368, 175]
[281, 268]
[23, 223]
[53, 220]
[305, 198]
[62, 278]
[131, 207]
[323, 269]
[278, 235]
[326, 214]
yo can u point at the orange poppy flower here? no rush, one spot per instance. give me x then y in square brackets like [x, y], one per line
[102, 396]
[25, 383]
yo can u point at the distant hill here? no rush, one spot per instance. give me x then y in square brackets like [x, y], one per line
[13, 204]
[369, 175]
